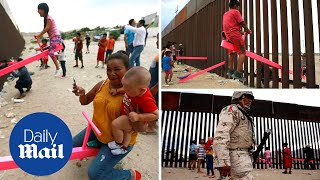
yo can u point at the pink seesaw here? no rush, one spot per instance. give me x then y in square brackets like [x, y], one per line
[190, 76]
[78, 153]
[192, 58]
[202, 72]
[228, 45]
[16, 65]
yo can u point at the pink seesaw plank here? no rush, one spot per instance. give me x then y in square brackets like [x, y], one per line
[26, 61]
[302, 76]
[192, 58]
[81, 153]
[93, 126]
[227, 45]
[201, 72]
[7, 163]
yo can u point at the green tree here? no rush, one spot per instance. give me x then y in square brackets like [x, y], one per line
[116, 33]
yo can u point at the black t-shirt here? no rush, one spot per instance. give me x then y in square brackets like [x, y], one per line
[88, 40]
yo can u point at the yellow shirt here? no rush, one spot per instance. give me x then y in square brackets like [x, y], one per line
[107, 108]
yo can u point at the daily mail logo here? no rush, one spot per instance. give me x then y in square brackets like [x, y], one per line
[41, 144]
[31, 151]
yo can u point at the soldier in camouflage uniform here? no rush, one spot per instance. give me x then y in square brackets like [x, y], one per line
[234, 138]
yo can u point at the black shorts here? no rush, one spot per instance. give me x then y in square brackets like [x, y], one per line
[304, 72]
[78, 55]
[192, 157]
[174, 57]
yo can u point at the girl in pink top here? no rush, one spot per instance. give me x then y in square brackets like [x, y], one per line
[54, 35]
[267, 156]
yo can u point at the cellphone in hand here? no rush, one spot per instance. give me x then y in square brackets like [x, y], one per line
[74, 82]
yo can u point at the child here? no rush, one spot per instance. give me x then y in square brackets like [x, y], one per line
[110, 47]
[304, 64]
[209, 157]
[267, 156]
[167, 67]
[78, 54]
[62, 59]
[173, 49]
[200, 154]
[88, 43]
[287, 158]
[24, 80]
[192, 155]
[232, 23]
[102, 47]
[44, 60]
[54, 35]
[137, 95]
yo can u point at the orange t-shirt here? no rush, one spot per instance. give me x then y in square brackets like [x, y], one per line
[110, 44]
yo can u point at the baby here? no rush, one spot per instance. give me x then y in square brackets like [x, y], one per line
[137, 97]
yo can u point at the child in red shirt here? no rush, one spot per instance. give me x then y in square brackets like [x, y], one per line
[137, 96]
[44, 60]
[232, 24]
[110, 47]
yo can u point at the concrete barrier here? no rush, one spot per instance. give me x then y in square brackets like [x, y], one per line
[12, 43]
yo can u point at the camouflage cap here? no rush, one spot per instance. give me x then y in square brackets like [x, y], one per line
[238, 94]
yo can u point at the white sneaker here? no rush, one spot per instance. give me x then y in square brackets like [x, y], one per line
[165, 85]
[118, 151]
[170, 83]
[57, 73]
[113, 145]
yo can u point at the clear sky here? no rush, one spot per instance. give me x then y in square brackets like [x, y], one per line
[168, 10]
[70, 14]
[308, 97]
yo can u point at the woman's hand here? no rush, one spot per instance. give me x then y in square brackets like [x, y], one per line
[78, 91]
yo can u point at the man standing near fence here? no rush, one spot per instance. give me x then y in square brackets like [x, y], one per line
[234, 138]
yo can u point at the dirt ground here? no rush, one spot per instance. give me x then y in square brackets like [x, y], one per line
[258, 174]
[53, 94]
[204, 81]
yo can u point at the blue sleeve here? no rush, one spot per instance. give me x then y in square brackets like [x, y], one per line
[14, 74]
[20, 73]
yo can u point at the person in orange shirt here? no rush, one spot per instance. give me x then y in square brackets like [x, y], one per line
[110, 47]
[102, 46]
